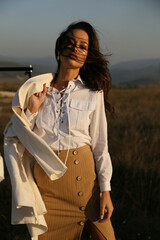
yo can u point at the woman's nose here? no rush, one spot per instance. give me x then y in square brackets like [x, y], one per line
[75, 48]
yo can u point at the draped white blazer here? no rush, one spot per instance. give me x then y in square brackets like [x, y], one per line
[21, 148]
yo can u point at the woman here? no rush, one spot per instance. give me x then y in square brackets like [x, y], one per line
[70, 117]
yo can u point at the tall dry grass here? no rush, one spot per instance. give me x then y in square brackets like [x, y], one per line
[134, 144]
[134, 147]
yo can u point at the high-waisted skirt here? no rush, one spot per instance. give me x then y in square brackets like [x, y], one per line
[73, 199]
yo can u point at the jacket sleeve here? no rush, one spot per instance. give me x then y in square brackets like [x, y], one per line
[99, 140]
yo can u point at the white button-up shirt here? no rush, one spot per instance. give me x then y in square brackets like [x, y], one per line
[72, 118]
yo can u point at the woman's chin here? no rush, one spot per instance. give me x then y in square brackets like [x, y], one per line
[72, 63]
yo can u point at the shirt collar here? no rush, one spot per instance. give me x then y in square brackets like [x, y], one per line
[79, 79]
[75, 80]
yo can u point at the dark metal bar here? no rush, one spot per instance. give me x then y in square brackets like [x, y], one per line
[27, 70]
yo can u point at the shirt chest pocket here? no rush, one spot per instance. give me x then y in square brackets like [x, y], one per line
[79, 114]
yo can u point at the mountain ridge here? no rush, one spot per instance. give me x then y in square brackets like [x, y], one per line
[123, 73]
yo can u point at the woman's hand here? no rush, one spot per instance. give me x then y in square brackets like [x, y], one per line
[36, 100]
[105, 203]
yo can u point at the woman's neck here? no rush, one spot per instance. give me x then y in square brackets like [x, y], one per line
[64, 76]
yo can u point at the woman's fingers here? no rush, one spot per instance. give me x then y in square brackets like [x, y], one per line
[102, 210]
[106, 215]
[37, 99]
[106, 207]
[37, 94]
[43, 93]
[44, 89]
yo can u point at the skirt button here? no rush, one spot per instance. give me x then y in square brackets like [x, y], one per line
[76, 162]
[75, 152]
[78, 178]
[80, 194]
[82, 208]
[81, 223]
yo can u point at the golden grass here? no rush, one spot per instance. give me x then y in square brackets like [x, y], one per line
[6, 95]
[134, 147]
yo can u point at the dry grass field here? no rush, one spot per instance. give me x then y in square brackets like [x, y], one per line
[134, 145]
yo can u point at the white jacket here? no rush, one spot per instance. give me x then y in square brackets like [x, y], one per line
[21, 148]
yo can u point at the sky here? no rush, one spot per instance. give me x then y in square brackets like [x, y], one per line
[127, 29]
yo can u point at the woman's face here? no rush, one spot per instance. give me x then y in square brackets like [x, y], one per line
[75, 49]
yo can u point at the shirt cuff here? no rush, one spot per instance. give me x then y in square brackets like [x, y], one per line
[106, 186]
[30, 115]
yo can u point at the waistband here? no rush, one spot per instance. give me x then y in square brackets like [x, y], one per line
[73, 151]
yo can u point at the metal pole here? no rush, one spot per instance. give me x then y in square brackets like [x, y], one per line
[28, 70]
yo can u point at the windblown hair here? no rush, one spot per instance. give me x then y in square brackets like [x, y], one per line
[94, 73]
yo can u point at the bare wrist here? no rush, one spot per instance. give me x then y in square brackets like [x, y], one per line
[32, 110]
[107, 193]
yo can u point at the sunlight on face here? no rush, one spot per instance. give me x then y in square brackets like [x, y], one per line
[75, 49]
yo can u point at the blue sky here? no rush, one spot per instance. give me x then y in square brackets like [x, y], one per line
[127, 29]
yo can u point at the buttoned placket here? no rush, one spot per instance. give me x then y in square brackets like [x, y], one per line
[79, 178]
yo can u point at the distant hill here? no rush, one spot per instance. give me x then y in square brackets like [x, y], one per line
[135, 76]
[124, 73]
[136, 72]
[137, 64]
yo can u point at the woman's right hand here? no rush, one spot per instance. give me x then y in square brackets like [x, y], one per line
[36, 100]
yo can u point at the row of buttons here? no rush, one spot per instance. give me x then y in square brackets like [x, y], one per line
[79, 178]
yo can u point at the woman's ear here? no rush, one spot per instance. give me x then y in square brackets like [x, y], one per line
[58, 56]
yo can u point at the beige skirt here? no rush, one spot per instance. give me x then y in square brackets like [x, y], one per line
[73, 199]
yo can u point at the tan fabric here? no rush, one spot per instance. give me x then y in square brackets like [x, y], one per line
[73, 198]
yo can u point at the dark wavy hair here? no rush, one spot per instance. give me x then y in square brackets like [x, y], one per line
[94, 73]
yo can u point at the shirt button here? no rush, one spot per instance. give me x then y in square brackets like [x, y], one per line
[74, 152]
[76, 161]
[81, 223]
[82, 208]
[78, 178]
[80, 194]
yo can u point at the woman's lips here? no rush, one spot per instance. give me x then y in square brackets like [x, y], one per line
[72, 56]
